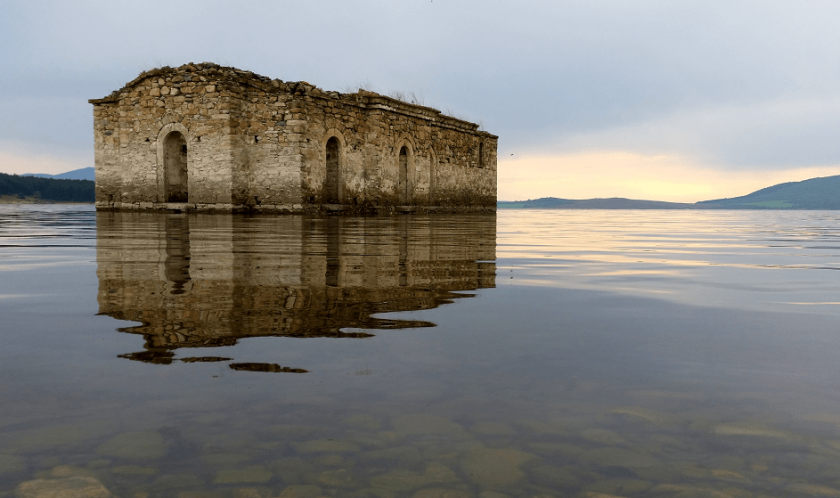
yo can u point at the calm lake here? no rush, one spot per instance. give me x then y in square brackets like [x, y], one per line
[523, 354]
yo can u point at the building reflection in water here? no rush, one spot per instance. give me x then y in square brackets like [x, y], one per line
[198, 281]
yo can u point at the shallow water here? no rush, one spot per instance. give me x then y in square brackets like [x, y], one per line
[532, 353]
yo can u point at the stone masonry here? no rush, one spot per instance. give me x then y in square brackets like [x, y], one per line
[202, 137]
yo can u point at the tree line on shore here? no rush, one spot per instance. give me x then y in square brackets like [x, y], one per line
[47, 189]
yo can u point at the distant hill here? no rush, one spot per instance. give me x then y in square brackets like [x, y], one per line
[76, 174]
[816, 193]
[612, 203]
[14, 187]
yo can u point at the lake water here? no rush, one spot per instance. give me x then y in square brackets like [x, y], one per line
[524, 354]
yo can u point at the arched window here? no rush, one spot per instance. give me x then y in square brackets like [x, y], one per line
[332, 182]
[481, 154]
[175, 167]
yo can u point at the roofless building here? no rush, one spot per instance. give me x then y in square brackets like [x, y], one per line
[205, 137]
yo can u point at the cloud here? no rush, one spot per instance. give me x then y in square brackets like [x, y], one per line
[732, 86]
[776, 134]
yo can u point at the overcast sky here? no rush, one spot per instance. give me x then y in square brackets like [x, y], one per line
[672, 100]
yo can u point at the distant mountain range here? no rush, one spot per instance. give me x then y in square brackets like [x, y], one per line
[76, 174]
[816, 193]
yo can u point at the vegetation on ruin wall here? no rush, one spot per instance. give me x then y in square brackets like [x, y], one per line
[47, 189]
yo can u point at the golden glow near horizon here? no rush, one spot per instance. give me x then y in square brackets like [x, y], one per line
[17, 162]
[585, 175]
[591, 175]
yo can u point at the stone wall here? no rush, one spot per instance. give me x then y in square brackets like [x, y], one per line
[252, 143]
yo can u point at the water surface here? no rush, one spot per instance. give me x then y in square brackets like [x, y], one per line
[533, 353]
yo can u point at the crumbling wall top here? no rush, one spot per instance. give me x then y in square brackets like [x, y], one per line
[210, 72]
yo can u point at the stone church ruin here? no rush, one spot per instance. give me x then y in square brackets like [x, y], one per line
[202, 137]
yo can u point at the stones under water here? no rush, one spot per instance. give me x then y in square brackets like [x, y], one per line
[630, 355]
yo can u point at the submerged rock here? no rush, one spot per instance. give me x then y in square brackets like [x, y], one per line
[496, 467]
[68, 487]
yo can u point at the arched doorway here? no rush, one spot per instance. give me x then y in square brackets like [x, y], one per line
[403, 186]
[175, 167]
[332, 182]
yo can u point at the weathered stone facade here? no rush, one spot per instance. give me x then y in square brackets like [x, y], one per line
[206, 137]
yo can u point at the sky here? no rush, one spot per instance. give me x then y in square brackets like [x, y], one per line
[667, 100]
